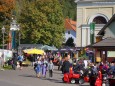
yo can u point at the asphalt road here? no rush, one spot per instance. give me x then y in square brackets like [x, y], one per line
[26, 77]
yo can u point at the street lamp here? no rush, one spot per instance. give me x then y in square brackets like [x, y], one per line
[13, 27]
[18, 28]
[3, 31]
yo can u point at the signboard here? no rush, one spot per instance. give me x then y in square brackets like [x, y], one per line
[110, 53]
[92, 29]
[98, 59]
[7, 54]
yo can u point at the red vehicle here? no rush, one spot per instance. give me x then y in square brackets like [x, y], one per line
[71, 77]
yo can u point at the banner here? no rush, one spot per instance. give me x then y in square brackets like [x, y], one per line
[92, 29]
[110, 53]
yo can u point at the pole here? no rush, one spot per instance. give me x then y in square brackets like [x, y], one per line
[12, 39]
[19, 38]
[3, 31]
[3, 41]
[3, 46]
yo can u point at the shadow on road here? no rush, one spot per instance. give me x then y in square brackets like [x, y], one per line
[52, 80]
[56, 81]
[26, 75]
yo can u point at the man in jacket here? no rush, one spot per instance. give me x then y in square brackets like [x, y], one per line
[66, 65]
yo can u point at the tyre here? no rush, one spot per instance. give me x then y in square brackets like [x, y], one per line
[105, 84]
[81, 81]
[72, 81]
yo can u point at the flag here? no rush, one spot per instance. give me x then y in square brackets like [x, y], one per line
[92, 29]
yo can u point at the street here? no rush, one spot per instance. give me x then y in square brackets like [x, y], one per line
[26, 77]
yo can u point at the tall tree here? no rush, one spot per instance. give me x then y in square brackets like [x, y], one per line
[6, 10]
[69, 8]
[42, 22]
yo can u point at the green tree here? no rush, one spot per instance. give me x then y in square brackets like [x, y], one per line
[6, 7]
[6, 10]
[69, 8]
[42, 21]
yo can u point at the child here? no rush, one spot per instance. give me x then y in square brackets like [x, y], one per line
[50, 68]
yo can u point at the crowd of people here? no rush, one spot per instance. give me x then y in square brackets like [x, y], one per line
[42, 65]
[12, 61]
[107, 68]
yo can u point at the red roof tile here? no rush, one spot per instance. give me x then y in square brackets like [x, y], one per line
[70, 24]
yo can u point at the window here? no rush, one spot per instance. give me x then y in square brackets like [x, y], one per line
[100, 20]
[110, 53]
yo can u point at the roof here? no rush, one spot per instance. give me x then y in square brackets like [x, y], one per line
[108, 23]
[96, 0]
[108, 42]
[46, 47]
[70, 24]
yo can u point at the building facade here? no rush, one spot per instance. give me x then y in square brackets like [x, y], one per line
[109, 29]
[70, 31]
[107, 45]
[88, 11]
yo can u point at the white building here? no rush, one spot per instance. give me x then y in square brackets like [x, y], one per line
[70, 27]
[98, 11]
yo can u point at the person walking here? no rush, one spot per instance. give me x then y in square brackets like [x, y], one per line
[1, 61]
[37, 67]
[50, 68]
[14, 61]
[1, 64]
[66, 64]
[44, 64]
[60, 63]
[20, 59]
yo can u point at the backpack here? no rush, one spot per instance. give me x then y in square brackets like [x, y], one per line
[35, 65]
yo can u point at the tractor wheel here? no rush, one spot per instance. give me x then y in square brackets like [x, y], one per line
[81, 81]
[72, 81]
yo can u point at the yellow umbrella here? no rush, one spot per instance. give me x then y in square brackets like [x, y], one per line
[34, 51]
